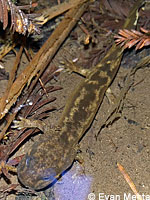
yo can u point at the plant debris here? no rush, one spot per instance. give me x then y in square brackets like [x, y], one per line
[28, 93]
[128, 39]
[20, 22]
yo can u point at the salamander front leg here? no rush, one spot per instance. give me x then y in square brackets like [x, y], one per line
[73, 67]
[27, 123]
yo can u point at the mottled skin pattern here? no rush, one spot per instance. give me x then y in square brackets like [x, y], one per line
[55, 150]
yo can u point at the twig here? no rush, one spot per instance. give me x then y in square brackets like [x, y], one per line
[59, 9]
[129, 181]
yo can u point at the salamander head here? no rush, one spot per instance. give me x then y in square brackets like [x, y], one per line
[33, 177]
[44, 163]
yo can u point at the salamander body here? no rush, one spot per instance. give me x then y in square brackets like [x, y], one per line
[56, 149]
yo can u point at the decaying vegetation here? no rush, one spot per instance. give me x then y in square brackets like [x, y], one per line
[27, 93]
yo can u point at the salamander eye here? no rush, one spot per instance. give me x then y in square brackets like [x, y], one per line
[29, 161]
